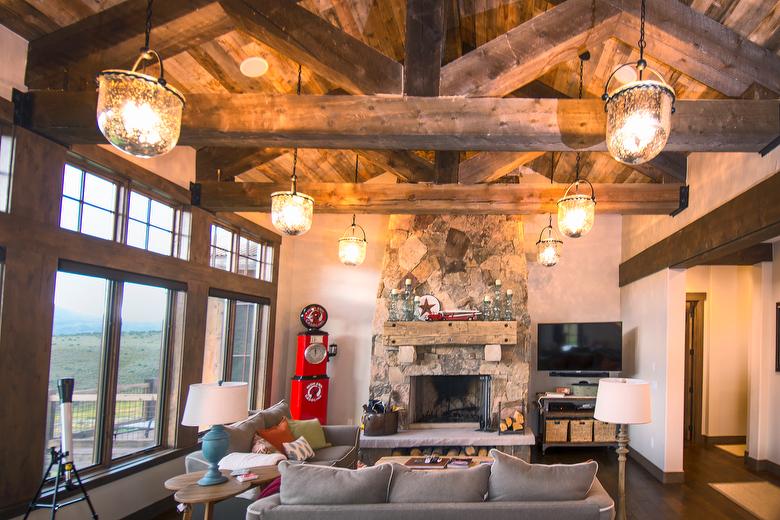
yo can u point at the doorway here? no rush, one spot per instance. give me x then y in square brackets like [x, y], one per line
[694, 366]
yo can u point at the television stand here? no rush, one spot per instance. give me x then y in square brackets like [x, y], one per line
[579, 373]
[572, 409]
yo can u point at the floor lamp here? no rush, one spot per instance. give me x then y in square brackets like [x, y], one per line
[623, 402]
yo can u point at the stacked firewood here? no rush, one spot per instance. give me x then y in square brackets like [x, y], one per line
[512, 423]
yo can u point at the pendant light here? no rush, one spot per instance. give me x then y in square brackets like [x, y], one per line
[639, 113]
[138, 113]
[292, 212]
[352, 245]
[577, 211]
[548, 249]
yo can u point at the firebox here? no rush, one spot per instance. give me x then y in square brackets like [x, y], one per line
[450, 401]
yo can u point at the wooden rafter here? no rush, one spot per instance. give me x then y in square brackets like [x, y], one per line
[230, 161]
[390, 122]
[491, 166]
[439, 198]
[405, 165]
[70, 56]
[308, 39]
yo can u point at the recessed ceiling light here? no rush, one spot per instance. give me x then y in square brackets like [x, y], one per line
[254, 67]
[626, 75]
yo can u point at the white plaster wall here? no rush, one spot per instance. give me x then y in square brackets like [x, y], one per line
[583, 287]
[13, 56]
[122, 497]
[177, 166]
[727, 324]
[772, 376]
[714, 178]
[653, 313]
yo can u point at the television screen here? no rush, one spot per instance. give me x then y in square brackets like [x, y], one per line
[580, 346]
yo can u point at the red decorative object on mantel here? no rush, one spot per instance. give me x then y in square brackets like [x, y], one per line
[457, 315]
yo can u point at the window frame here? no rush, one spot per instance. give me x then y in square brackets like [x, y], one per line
[116, 211]
[239, 233]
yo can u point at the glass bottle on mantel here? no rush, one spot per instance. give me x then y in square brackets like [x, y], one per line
[497, 314]
[408, 304]
[486, 309]
[392, 311]
[417, 309]
[509, 314]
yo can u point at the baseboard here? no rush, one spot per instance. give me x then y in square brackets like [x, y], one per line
[724, 439]
[762, 465]
[665, 477]
[153, 510]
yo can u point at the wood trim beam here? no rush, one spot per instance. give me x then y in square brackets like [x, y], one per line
[439, 198]
[524, 53]
[491, 166]
[308, 39]
[748, 219]
[749, 256]
[70, 57]
[231, 161]
[414, 123]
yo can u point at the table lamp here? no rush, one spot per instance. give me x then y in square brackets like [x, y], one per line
[215, 404]
[622, 401]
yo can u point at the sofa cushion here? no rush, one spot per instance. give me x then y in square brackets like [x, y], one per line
[278, 435]
[274, 414]
[242, 432]
[331, 454]
[311, 430]
[513, 479]
[415, 487]
[304, 484]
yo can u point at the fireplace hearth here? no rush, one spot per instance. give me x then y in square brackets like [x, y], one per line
[457, 401]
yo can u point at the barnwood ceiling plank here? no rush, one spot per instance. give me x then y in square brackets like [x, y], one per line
[230, 161]
[25, 20]
[699, 46]
[111, 39]
[748, 219]
[308, 39]
[414, 123]
[407, 166]
[439, 198]
[521, 55]
[491, 166]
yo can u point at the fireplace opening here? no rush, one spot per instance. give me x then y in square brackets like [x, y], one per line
[457, 401]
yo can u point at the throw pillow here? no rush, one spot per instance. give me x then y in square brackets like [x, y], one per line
[299, 449]
[311, 430]
[260, 445]
[240, 433]
[420, 487]
[278, 435]
[514, 480]
[307, 484]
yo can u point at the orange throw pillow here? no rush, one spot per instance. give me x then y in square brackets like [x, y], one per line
[278, 435]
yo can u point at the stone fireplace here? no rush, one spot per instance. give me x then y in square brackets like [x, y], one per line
[456, 259]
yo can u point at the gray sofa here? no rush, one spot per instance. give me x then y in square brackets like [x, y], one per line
[393, 492]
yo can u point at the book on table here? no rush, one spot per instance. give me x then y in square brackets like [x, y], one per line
[459, 463]
[427, 463]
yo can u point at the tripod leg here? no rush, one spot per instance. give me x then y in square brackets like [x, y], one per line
[31, 507]
[56, 486]
[84, 491]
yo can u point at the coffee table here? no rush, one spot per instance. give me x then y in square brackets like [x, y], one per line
[188, 492]
[475, 461]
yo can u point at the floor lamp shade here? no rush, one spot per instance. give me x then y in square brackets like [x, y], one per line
[623, 401]
[213, 403]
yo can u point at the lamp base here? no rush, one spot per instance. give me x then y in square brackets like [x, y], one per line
[215, 446]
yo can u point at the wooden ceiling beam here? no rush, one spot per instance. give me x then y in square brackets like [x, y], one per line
[313, 42]
[699, 46]
[427, 198]
[491, 166]
[406, 165]
[412, 123]
[521, 55]
[71, 56]
[231, 161]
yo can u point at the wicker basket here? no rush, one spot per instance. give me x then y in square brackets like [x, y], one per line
[555, 430]
[581, 430]
[604, 432]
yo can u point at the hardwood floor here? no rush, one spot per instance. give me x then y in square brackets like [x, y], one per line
[648, 499]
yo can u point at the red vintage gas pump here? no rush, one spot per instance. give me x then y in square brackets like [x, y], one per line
[309, 392]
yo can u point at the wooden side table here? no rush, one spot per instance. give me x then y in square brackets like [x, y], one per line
[188, 492]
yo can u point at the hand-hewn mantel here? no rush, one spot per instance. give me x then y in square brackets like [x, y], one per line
[419, 333]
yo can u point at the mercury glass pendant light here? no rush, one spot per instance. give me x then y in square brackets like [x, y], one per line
[292, 212]
[138, 113]
[352, 244]
[639, 113]
[577, 211]
[548, 249]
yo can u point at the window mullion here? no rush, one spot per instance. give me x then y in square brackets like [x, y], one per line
[165, 373]
[253, 359]
[229, 337]
[112, 370]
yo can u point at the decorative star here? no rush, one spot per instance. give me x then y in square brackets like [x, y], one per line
[425, 307]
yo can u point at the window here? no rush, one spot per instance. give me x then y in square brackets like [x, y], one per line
[150, 224]
[111, 336]
[253, 258]
[237, 343]
[6, 164]
[89, 204]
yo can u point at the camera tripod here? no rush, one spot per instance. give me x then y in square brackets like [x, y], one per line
[64, 468]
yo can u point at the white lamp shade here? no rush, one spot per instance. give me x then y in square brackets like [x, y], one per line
[211, 403]
[623, 401]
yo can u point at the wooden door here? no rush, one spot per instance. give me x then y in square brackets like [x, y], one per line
[694, 365]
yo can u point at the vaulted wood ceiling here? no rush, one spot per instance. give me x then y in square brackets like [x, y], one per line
[202, 54]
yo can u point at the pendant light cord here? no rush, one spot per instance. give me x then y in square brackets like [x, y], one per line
[583, 57]
[294, 177]
[642, 64]
[148, 30]
[357, 158]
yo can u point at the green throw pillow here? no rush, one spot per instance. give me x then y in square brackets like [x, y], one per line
[311, 430]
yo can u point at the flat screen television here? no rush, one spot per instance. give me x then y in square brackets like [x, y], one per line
[580, 347]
